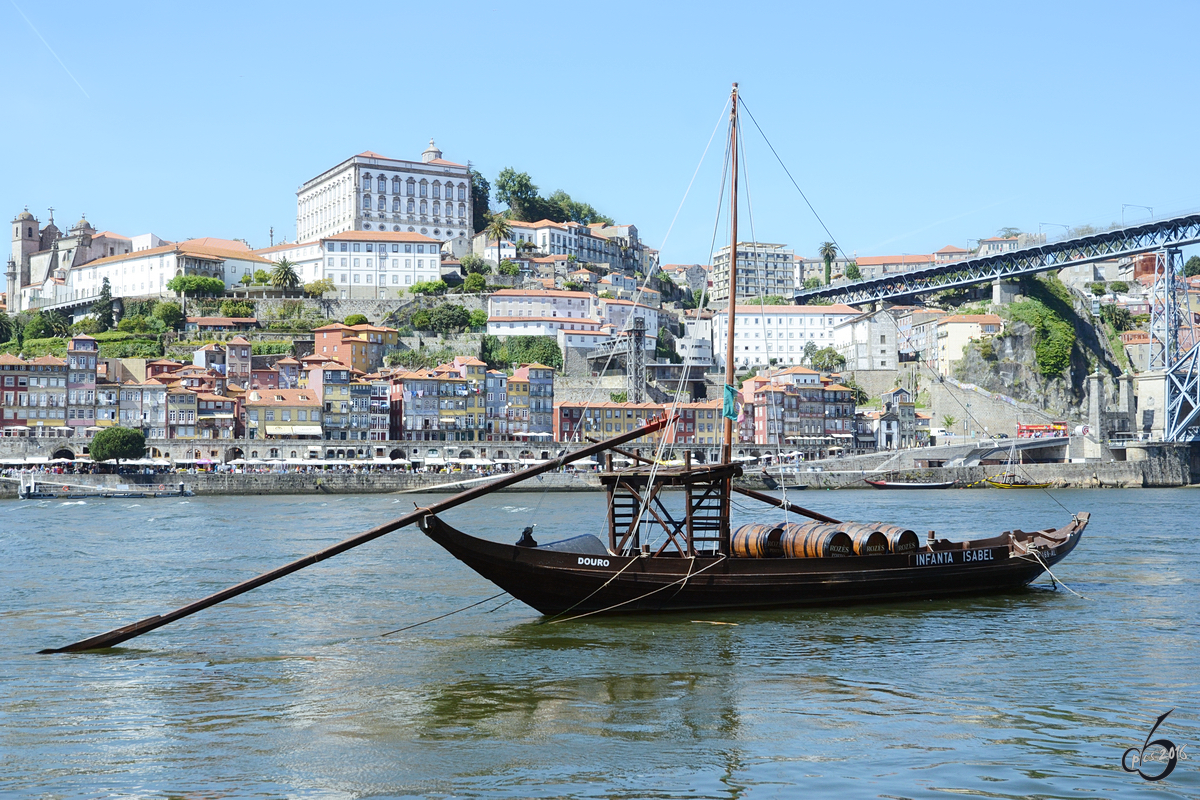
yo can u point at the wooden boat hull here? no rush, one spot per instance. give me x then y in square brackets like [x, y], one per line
[901, 485]
[1003, 485]
[567, 583]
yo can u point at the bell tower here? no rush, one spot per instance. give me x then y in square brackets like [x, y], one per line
[26, 240]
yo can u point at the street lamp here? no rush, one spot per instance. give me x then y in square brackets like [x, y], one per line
[1133, 205]
[1055, 224]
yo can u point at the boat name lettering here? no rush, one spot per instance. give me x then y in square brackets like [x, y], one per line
[593, 562]
[953, 557]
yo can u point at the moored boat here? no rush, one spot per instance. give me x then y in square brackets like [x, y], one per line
[910, 484]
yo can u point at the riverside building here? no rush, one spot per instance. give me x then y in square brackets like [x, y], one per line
[776, 334]
[370, 192]
[763, 269]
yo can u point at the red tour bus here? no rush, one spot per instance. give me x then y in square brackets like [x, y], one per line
[1041, 431]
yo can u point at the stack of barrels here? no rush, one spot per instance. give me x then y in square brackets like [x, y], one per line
[822, 540]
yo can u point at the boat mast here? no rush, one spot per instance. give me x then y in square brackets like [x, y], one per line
[723, 545]
[727, 448]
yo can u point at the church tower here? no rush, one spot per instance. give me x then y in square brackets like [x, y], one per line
[26, 240]
[431, 152]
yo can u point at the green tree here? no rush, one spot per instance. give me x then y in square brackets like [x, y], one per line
[1192, 267]
[827, 252]
[1121, 287]
[6, 328]
[498, 230]
[355, 319]
[1098, 288]
[949, 422]
[1118, 317]
[474, 265]
[828, 360]
[860, 394]
[517, 191]
[449, 318]
[853, 272]
[420, 320]
[194, 285]
[812, 283]
[429, 287]
[319, 288]
[38, 327]
[117, 443]
[237, 308]
[170, 313]
[479, 318]
[1008, 233]
[475, 283]
[58, 322]
[284, 275]
[87, 325]
[480, 198]
[509, 268]
[618, 397]
[102, 309]
[135, 323]
[262, 277]
[810, 351]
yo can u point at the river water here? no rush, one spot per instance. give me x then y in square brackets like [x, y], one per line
[290, 690]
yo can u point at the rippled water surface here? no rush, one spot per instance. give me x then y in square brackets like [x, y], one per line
[290, 690]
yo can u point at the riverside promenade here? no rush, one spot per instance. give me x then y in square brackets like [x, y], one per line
[1167, 469]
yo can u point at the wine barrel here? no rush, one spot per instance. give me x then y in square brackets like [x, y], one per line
[757, 540]
[815, 540]
[868, 539]
[900, 539]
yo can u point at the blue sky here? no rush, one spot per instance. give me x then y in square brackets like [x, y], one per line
[909, 126]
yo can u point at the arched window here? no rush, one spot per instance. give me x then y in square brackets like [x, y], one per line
[382, 184]
[437, 208]
[437, 191]
[396, 204]
[424, 207]
[366, 183]
[424, 189]
[366, 202]
[395, 184]
[462, 193]
[462, 210]
[382, 203]
[412, 187]
[411, 207]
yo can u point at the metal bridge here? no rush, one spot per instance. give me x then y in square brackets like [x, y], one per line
[629, 350]
[1129, 241]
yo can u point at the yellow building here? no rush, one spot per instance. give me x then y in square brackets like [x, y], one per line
[518, 403]
[284, 414]
[576, 421]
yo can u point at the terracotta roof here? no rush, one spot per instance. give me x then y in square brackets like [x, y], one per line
[287, 360]
[837, 387]
[193, 247]
[379, 236]
[49, 361]
[536, 365]
[9, 358]
[540, 293]
[952, 249]
[874, 261]
[441, 162]
[573, 320]
[221, 320]
[292, 397]
[837, 308]
[111, 235]
[285, 246]
[980, 319]
[239, 339]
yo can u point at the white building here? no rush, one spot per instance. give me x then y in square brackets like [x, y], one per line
[868, 341]
[620, 313]
[369, 192]
[763, 269]
[532, 312]
[364, 264]
[780, 333]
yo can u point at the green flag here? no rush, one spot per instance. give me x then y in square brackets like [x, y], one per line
[730, 409]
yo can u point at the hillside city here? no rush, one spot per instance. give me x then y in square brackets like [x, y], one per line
[408, 312]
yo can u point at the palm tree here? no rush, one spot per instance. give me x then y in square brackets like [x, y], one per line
[827, 253]
[499, 230]
[283, 275]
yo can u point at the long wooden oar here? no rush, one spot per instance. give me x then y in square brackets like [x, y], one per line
[115, 637]
[759, 496]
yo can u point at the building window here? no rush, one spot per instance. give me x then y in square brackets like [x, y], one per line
[382, 203]
[412, 187]
[396, 204]
[366, 202]
[424, 189]
[395, 185]
[462, 192]
[366, 183]
[424, 206]
[382, 184]
[411, 207]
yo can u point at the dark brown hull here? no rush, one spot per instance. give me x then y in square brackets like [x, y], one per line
[555, 582]
[902, 485]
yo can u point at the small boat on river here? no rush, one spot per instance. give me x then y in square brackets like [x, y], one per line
[910, 484]
[1010, 480]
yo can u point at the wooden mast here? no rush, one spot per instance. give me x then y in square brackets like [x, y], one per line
[727, 447]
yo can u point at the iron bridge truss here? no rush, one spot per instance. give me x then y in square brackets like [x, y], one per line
[1129, 241]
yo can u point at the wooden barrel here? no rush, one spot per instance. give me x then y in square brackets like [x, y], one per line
[868, 539]
[815, 540]
[900, 539]
[757, 540]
